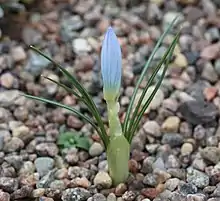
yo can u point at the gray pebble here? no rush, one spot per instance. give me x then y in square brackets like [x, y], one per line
[43, 165]
[15, 144]
[173, 139]
[187, 188]
[8, 184]
[111, 197]
[171, 184]
[197, 178]
[96, 149]
[75, 194]
[99, 197]
[152, 128]
[211, 154]
[197, 197]
[103, 179]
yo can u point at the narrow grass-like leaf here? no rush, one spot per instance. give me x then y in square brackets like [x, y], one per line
[69, 90]
[146, 67]
[165, 61]
[87, 98]
[149, 83]
[76, 112]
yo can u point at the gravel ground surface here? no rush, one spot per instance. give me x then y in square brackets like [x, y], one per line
[175, 155]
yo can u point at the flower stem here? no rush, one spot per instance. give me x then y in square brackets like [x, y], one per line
[118, 148]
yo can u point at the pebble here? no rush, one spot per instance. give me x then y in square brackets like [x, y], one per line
[209, 73]
[7, 80]
[172, 184]
[31, 36]
[4, 196]
[111, 197]
[129, 196]
[152, 148]
[81, 182]
[212, 34]
[198, 112]
[211, 154]
[44, 165]
[187, 2]
[171, 124]
[217, 66]
[8, 98]
[216, 192]
[187, 148]
[199, 164]
[27, 168]
[96, 149]
[152, 128]
[15, 144]
[169, 17]
[46, 180]
[103, 180]
[210, 93]
[74, 122]
[81, 46]
[76, 171]
[37, 63]
[197, 197]
[175, 196]
[76, 194]
[120, 189]
[151, 180]
[18, 54]
[23, 192]
[173, 139]
[99, 197]
[150, 193]
[160, 52]
[47, 149]
[157, 100]
[211, 52]
[57, 184]
[197, 178]
[21, 114]
[15, 161]
[22, 132]
[8, 184]
[36, 193]
[72, 158]
[187, 188]
[180, 61]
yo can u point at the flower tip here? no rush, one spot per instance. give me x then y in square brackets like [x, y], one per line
[110, 29]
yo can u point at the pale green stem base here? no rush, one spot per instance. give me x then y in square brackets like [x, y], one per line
[118, 148]
[118, 156]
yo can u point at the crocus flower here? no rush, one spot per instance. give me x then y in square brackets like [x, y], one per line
[111, 64]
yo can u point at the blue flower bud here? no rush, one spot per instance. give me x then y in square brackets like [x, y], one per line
[111, 64]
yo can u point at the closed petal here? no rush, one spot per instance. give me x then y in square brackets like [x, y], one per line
[111, 64]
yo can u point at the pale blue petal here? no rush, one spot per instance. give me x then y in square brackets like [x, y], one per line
[111, 63]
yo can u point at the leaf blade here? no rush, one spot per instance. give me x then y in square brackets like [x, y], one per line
[89, 102]
[127, 116]
[140, 114]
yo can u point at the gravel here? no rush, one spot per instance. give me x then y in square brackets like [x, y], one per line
[175, 151]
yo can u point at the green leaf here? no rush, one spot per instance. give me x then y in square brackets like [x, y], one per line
[76, 112]
[64, 87]
[138, 114]
[87, 98]
[145, 70]
[72, 139]
[64, 138]
[83, 143]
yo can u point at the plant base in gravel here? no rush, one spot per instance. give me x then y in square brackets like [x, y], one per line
[117, 140]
